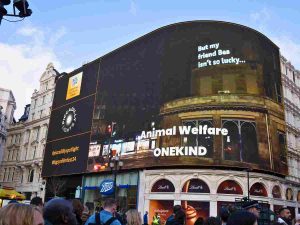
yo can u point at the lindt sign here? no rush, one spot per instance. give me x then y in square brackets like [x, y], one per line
[163, 185]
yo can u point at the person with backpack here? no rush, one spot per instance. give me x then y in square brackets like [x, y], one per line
[178, 216]
[105, 216]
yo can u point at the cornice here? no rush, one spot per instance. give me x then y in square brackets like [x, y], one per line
[289, 83]
[291, 106]
[50, 90]
[29, 123]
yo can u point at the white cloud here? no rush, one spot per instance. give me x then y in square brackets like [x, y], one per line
[133, 8]
[261, 18]
[289, 49]
[21, 65]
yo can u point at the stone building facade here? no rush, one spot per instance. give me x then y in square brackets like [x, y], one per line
[7, 108]
[23, 155]
[291, 92]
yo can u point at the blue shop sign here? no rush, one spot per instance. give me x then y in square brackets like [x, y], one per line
[107, 187]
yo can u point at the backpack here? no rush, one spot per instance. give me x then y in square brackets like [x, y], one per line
[98, 222]
[171, 221]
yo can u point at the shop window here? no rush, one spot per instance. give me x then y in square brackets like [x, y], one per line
[258, 189]
[289, 195]
[195, 186]
[298, 197]
[163, 185]
[276, 192]
[230, 187]
[241, 142]
[199, 139]
[194, 210]
[282, 146]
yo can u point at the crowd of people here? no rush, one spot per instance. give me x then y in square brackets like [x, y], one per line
[59, 211]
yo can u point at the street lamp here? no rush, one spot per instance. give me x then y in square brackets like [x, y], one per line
[248, 182]
[115, 165]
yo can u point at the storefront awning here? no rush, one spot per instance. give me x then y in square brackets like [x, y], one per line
[10, 193]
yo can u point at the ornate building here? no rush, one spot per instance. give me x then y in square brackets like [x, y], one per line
[7, 108]
[291, 89]
[23, 155]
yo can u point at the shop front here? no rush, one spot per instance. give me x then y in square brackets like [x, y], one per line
[202, 193]
[126, 190]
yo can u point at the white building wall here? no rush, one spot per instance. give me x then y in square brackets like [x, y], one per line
[291, 91]
[26, 141]
[7, 109]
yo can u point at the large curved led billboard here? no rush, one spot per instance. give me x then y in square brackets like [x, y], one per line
[217, 77]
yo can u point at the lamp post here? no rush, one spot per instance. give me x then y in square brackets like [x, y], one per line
[248, 182]
[115, 165]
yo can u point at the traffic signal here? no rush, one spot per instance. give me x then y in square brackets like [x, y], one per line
[112, 129]
[109, 129]
[22, 6]
[3, 11]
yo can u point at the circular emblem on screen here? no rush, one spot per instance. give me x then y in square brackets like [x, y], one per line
[69, 120]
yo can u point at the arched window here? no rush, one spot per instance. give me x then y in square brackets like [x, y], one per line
[241, 142]
[30, 176]
[289, 194]
[163, 185]
[258, 189]
[200, 139]
[276, 192]
[231, 141]
[249, 142]
[230, 187]
[195, 186]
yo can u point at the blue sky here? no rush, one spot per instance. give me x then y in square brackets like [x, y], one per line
[70, 32]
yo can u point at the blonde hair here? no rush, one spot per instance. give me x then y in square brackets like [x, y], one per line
[17, 214]
[133, 217]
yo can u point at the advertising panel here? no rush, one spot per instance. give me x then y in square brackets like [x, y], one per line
[67, 146]
[194, 210]
[144, 102]
[66, 156]
[161, 208]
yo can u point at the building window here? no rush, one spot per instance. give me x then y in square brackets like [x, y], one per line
[22, 176]
[26, 150]
[41, 113]
[4, 176]
[8, 171]
[199, 139]
[34, 104]
[282, 146]
[32, 116]
[163, 185]
[241, 142]
[30, 176]
[230, 187]
[37, 133]
[294, 77]
[13, 174]
[34, 152]
[258, 189]
[9, 153]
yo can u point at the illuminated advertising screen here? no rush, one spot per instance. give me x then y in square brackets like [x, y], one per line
[200, 93]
